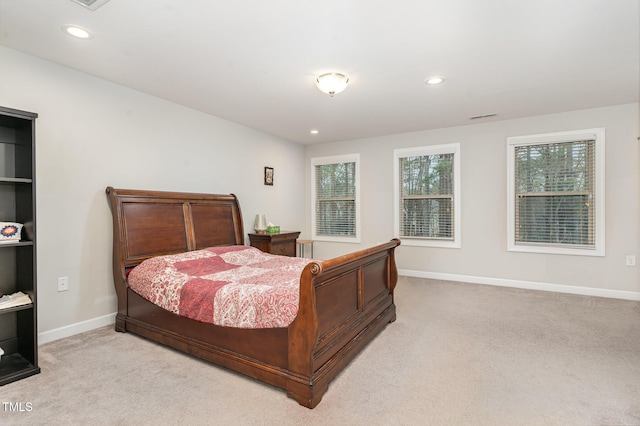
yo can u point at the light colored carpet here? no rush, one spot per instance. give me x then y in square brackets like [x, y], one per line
[458, 354]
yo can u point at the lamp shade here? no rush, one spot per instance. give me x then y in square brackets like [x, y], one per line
[260, 223]
[332, 83]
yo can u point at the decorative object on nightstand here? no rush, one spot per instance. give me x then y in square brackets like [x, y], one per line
[272, 229]
[283, 243]
[260, 223]
[18, 319]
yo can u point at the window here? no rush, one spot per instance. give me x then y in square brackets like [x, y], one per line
[556, 193]
[427, 195]
[335, 197]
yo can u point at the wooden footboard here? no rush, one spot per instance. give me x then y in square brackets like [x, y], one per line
[344, 302]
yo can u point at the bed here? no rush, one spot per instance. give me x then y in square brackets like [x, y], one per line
[343, 302]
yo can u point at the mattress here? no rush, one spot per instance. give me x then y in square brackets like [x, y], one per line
[234, 286]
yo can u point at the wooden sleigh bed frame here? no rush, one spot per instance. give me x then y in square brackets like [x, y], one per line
[344, 302]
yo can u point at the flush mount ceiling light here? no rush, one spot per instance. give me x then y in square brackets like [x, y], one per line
[432, 81]
[332, 83]
[77, 31]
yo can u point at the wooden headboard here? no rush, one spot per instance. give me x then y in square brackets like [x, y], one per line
[153, 223]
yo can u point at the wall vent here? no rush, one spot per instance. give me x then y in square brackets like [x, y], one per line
[90, 4]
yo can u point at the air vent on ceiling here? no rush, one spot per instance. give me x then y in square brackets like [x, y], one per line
[476, 117]
[90, 4]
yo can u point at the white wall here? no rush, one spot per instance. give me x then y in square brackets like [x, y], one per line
[92, 133]
[483, 256]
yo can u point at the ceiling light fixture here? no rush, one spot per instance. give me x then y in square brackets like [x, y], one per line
[332, 83]
[77, 31]
[432, 81]
[314, 132]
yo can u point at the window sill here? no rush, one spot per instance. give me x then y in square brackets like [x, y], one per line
[430, 243]
[336, 239]
[556, 250]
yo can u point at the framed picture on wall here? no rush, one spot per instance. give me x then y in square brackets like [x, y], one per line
[268, 176]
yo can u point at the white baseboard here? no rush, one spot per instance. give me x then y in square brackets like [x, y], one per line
[529, 285]
[77, 328]
[81, 327]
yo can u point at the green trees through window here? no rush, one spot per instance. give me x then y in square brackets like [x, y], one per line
[336, 199]
[554, 193]
[426, 196]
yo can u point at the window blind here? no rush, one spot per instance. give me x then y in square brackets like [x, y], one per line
[555, 194]
[335, 187]
[427, 196]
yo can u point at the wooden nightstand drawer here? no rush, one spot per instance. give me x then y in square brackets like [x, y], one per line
[284, 249]
[283, 244]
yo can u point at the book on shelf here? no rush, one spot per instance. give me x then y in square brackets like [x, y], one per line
[13, 300]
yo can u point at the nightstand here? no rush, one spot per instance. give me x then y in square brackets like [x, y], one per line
[283, 243]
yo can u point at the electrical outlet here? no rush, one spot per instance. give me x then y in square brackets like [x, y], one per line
[630, 260]
[63, 283]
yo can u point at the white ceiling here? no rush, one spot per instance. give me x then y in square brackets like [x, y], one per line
[254, 62]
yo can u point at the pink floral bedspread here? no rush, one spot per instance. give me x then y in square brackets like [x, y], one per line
[235, 286]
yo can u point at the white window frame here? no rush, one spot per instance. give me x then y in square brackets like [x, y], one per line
[598, 134]
[454, 149]
[336, 159]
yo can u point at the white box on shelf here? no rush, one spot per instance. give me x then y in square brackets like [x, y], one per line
[10, 232]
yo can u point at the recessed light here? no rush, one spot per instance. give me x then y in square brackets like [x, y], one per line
[432, 81]
[314, 132]
[77, 31]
